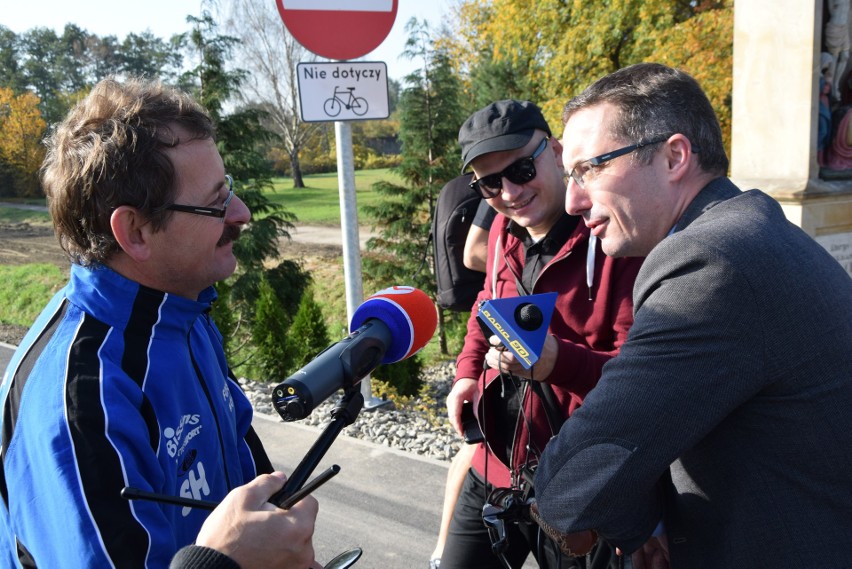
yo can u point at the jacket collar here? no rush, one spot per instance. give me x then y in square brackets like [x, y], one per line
[114, 300]
[714, 193]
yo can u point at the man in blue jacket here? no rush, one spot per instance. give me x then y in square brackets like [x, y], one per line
[720, 435]
[122, 380]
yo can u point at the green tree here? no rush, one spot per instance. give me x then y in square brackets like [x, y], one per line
[430, 115]
[60, 68]
[39, 48]
[492, 80]
[105, 57]
[273, 359]
[238, 135]
[73, 59]
[10, 68]
[404, 376]
[308, 335]
[149, 56]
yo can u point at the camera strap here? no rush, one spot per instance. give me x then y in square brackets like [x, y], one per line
[551, 407]
[543, 390]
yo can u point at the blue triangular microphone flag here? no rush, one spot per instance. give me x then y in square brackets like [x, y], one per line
[520, 322]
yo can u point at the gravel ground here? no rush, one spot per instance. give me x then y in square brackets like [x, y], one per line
[11, 334]
[411, 429]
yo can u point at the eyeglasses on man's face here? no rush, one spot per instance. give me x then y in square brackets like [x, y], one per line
[582, 168]
[519, 172]
[208, 211]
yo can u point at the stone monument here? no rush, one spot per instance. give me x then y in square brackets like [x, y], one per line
[778, 47]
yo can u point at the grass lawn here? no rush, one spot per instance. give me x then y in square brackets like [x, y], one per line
[319, 202]
[13, 215]
[25, 289]
[316, 204]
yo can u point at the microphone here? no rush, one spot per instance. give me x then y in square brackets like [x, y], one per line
[519, 322]
[391, 325]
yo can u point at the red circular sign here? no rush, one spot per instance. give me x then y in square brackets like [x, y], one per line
[338, 29]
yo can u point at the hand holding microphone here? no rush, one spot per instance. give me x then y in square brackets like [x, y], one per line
[503, 359]
[520, 325]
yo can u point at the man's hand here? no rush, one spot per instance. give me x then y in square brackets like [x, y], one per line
[465, 389]
[502, 359]
[257, 534]
[653, 555]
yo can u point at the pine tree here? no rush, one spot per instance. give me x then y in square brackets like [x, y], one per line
[308, 335]
[430, 116]
[273, 360]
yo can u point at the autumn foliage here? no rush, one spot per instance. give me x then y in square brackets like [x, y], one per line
[561, 46]
[21, 151]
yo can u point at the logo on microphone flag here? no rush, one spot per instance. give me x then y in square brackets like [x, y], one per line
[408, 312]
[523, 337]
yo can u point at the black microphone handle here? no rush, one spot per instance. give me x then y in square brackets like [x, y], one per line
[344, 414]
[340, 366]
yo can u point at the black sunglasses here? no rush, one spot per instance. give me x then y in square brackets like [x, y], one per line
[208, 211]
[519, 172]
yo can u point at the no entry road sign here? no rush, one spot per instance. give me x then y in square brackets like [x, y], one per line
[338, 29]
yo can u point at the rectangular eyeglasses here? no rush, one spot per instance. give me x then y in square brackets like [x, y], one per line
[208, 211]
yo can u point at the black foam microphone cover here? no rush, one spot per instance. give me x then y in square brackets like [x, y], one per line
[529, 316]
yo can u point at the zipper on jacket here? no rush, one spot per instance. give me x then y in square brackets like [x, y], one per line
[213, 411]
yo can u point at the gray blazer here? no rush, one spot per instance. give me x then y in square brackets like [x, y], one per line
[727, 412]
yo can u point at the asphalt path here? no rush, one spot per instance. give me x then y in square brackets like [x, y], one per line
[327, 235]
[383, 500]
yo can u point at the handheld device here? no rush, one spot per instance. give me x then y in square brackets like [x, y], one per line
[470, 426]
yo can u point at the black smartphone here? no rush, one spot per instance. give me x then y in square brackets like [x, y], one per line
[470, 426]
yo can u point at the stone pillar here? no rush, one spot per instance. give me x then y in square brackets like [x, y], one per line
[777, 45]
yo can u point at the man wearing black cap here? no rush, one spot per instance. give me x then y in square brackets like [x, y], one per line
[533, 247]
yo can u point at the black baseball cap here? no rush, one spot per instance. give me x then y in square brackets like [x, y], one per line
[504, 125]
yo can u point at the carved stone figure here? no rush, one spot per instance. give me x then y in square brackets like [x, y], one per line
[837, 42]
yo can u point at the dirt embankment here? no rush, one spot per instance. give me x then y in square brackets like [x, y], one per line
[23, 243]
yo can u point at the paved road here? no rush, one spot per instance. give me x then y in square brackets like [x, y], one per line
[385, 501]
[327, 235]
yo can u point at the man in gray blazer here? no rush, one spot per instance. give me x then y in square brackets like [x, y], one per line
[721, 435]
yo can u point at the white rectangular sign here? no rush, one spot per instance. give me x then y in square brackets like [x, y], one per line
[840, 247]
[343, 90]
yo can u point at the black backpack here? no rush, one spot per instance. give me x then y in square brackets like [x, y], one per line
[454, 212]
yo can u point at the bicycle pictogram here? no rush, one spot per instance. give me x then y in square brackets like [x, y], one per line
[334, 104]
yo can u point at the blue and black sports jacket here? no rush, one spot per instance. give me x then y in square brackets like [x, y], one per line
[117, 385]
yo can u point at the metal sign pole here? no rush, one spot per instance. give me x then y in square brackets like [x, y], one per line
[351, 241]
[348, 217]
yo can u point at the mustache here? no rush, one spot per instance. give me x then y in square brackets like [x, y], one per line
[229, 234]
